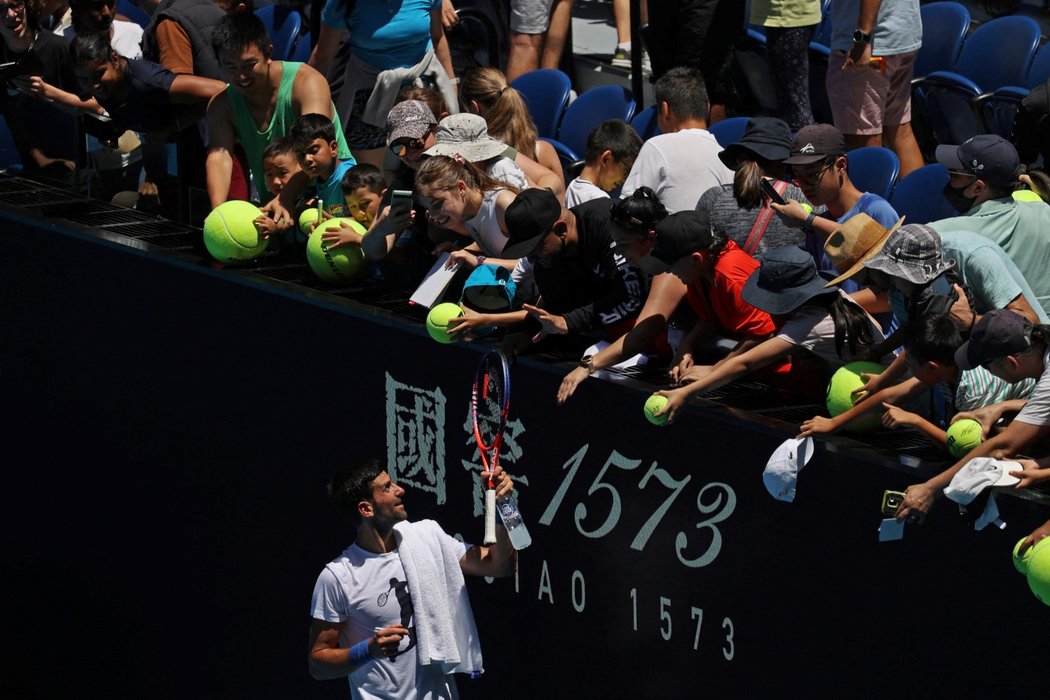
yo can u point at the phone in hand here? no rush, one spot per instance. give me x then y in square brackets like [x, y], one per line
[891, 501]
[771, 192]
[401, 198]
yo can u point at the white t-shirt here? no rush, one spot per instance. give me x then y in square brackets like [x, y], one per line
[580, 191]
[369, 590]
[126, 39]
[507, 171]
[1037, 410]
[813, 328]
[679, 167]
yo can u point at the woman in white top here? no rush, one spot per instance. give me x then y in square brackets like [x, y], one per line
[821, 319]
[461, 198]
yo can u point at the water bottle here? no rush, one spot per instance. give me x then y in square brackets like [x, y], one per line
[507, 507]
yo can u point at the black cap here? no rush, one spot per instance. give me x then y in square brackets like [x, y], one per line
[999, 333]
[987, 156]
[679, 235]
[529, 218]
[814, 143]
[766, 137]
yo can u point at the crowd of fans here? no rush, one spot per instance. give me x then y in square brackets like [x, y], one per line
[762, 258]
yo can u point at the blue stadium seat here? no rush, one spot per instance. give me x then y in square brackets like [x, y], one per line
[729, 130]
[998, 53]
[588, 111]
[918, 196]
[944, 28]
[133, 12]
[546, 93]
[302, 50]
[645, 123]
[874, 169]
[283, 24]
[998, 109]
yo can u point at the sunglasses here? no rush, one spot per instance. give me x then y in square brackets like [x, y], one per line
[810, 177]
[400, 148]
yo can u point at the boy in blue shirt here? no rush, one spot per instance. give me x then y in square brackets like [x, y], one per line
[314, 140]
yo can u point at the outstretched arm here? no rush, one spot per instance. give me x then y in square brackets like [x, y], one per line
[500, 559]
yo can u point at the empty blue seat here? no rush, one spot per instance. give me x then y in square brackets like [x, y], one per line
[998, 53]
[546, 94]
[918, 196]
[944, 28]
[729, 130]
[645, 123]
[283, 24]
[874, 169]
[998, 109]
[302, 50]
[587, 112]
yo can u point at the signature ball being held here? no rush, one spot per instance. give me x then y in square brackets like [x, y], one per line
[653, 405]
[335, 265]
[843, 383]
[963, 436]
[437, 321]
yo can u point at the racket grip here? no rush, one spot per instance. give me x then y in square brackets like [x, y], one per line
[490, 516]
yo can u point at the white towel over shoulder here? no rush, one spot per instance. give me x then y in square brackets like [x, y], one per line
[445, 628]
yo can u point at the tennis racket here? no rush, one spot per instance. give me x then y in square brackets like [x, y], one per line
[489, 405]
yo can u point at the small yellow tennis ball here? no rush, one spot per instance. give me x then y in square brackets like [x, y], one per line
[307, 219]
[230, 234]
[843, 383]
[654, 404]
[807, 206]
[963, 436]
[437, 321]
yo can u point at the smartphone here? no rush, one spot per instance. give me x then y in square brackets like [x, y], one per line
[771, 192]
[401, 198]
[891, 501]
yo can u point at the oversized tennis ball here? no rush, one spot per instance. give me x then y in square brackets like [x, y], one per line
[338, 265]
[653, 404]
[963, 436]
[230, 234]
[307, 219]
[843, 383]
[1039, 571]
[437, 321]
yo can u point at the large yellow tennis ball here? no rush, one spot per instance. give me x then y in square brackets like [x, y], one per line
[307, 219]
[1021, 562]
[339, 265]
[1039, 570]
[963, 436]
[230, 234]
[653, 404]
[437, 321]
[843, 383]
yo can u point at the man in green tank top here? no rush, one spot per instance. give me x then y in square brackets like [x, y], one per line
[262, 101]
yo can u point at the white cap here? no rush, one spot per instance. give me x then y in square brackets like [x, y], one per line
[974, 479]
[784, 464]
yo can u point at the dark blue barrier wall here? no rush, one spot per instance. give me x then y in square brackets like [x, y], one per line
[168, 431]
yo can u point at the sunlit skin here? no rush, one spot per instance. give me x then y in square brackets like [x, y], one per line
[414, 148]
[319, 158]
[102, 79]
[817, 181]
[449, 208]
[363, 205]
[247, 71]
[279, 169]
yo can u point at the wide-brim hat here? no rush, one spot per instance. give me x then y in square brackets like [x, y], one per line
[467, 135]
[858, 239]
[765, 137]
[786, 279]
[912, 253]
